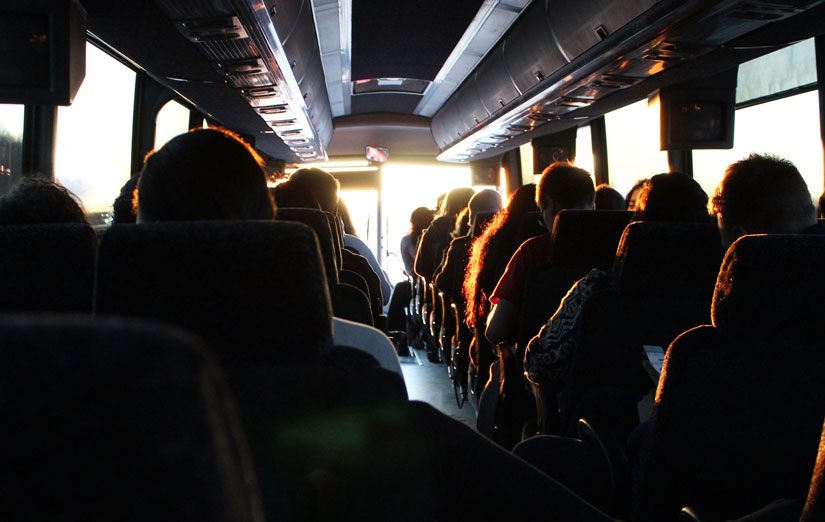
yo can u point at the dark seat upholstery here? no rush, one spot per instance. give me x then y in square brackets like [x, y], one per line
[582, 239]
[664, 277]
[109, 420]
[317, 221]
[47, 268]
[254, 290]
[740, 404]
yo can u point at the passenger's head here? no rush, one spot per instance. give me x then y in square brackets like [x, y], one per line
[36, 200]
[483, 202]
[608, 198]
[672, 197]
[563, 186]
[456, 200]
[420, 219]
[461, 226]
[204, 174]
[820, 207]
[633, 194]
[287, 195]
[123, 209]
[762, 194]
[321, 184]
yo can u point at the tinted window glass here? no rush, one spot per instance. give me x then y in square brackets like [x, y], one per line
[11, 145]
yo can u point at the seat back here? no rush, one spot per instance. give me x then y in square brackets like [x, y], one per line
[582, 239]
[47, 268]
[482, 220]
[318, 222]
[530, 226]
[254, 290]
[109, 420]
[740, 404]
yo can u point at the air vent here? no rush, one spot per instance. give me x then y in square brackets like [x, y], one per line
[213, 29]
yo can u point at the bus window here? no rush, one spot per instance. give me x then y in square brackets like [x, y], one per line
[788, 127]
[172, 119]
[11, 145]
[94, 134]
[584, 150]
[363, 211]
[633, 145]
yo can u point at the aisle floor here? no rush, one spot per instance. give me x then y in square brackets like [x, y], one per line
[429, 382]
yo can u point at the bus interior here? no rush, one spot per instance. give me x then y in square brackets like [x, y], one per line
[401, 102]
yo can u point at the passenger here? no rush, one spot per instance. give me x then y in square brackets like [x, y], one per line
[820, 207]
[124, 209]
[420, 219]
[363, 477]
[762, 194]
[36, 200]
[206, 174]
[562, 187]
[633, 194]
[451, 277]
[461, 226]
[287, 195]
[608, 198]
[324, 187]
[674, 197]
[436, 238]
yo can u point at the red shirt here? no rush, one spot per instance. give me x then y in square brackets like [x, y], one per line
[532, 253]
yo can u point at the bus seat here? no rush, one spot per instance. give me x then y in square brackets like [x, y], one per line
[359, 264]
[254, 290]
[482, 220]
[664, 278]
[740, 404]
[582, 239]
[530, 226]
[117, 420]
[317, 221]
[349, 302]
[47, 268]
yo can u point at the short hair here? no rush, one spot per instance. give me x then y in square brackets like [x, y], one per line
[323, 185]
[568, 186]
[37, 200]
[287, 195]
[608, 198]
[204, 174]
[487, 200]
[672, 196]
[764, 194]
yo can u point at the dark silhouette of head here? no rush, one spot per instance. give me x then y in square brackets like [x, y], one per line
[762, 194]
[320, 184]
[820, 207]
[483, 201]
[672, 197]
[608, 198]
[492, 250]
[563, 186]
[123, 209]
[457, 200]
[204, 174]
[420, 219]
[287, 195]
[37, 200]
[633, 194]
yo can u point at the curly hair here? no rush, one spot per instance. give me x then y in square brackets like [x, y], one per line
[492, 250]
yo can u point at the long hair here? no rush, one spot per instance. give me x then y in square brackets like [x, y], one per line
[456, 200]
[492, 250]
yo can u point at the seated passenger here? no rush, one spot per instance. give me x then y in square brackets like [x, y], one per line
[420, 219]
[324, 186]
[608, 198]
[36, 200]
[123, 208]
[562, 187]
[633, 194]
[762, 194]
[437, 238]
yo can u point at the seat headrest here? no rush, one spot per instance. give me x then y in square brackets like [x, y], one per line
[47, 267]
[772, 287]
[587, 237]
[318, 222]
[668, 260]
[255, 290]
[530, 226]
[482, 220]
[117, 420]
